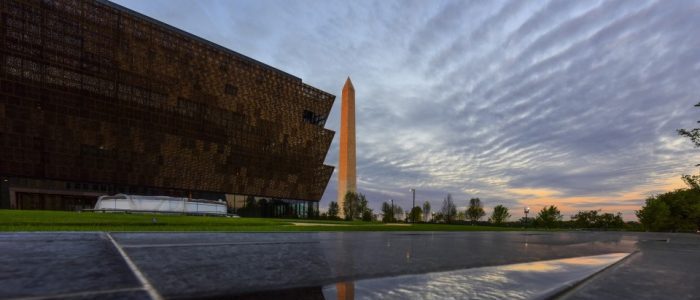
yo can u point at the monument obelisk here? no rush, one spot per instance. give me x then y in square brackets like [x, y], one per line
[347, 181]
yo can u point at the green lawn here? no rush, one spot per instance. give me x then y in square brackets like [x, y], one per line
[32, 220]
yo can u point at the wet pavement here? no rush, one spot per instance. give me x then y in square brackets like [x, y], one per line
[348, 265]
[533, 280]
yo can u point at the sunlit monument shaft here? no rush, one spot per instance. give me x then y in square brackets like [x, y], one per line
[347, 181]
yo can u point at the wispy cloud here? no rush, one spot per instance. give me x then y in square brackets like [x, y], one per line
[486, 99]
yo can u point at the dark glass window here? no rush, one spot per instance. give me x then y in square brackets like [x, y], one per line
[308, 116]
[312, 118]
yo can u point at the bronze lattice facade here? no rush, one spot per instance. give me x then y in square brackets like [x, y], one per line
[94, 93]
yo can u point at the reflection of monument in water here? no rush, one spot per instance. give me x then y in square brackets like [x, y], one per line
[346, 290]
[347, 181]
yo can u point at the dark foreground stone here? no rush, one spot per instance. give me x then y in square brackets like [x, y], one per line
[58, 263]
[288, 265]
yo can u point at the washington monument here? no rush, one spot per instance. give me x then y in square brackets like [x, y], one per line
[347, 181]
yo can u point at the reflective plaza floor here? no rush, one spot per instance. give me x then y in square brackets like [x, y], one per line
[350, 265]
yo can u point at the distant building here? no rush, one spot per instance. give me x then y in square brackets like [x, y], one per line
[97, 99]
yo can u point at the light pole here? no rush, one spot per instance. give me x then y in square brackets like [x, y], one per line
[413, 220]
[526, 210]
[392, 210]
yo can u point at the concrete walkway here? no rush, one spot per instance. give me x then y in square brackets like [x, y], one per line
[87, 265]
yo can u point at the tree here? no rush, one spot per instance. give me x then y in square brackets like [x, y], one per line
[367, 215]
[387, 213]
[693, 181]
[548, 217]
[609, 221]
[426, 211]
[333, 210]
[461, 216]
[526, 221]
[449, 210]
[500, 214]
[365, 211]
[678, 210]
[438, 217]
[416, 214]
[351, 206]
[585, 219]
[592, 219]
[693, 134]
[655, 215]
[362, 203]
[356, 207]
[398, 213]
[475, 210]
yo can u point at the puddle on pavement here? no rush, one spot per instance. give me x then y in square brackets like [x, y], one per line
[533, 280]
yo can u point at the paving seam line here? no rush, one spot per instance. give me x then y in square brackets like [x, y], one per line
[214, 244]
[134, 269]
[571, 290]
[78, 294]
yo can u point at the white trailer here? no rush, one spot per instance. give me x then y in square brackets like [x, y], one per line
[160, 204]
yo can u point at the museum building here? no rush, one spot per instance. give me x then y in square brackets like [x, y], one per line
[96, 99]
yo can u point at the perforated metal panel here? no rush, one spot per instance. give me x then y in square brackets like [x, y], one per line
[91, 91]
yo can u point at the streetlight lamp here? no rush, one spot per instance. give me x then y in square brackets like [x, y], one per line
[413, 218]
[526, 211]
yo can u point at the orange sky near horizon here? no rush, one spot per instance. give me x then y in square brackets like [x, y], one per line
[538, 198]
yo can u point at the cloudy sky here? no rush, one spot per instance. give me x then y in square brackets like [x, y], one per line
[521, 103]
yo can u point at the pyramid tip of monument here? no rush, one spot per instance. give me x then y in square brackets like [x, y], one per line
[348, 82]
